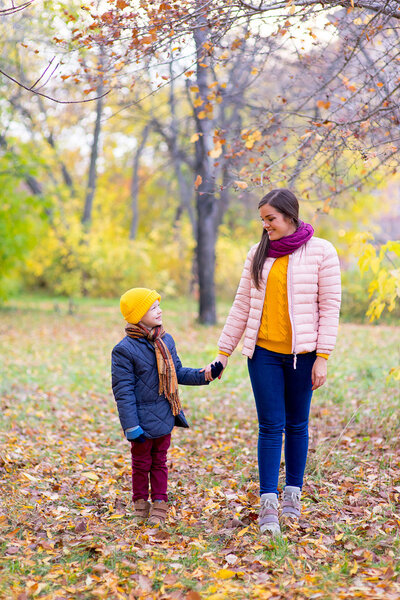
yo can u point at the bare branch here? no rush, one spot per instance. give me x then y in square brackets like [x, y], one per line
[389, 8]
[14, 9]
[28, 89]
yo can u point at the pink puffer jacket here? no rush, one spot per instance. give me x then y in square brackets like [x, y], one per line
[314, 293]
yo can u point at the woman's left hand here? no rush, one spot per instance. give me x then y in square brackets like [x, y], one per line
[319, 372]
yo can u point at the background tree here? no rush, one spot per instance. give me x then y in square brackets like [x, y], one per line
[211, 103]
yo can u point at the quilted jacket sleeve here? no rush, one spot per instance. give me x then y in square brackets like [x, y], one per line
[123, 386]
[186, 375]
[329, 297]
[239, 313]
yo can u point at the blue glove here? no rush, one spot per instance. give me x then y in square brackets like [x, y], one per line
[216, 369]
[135, 434]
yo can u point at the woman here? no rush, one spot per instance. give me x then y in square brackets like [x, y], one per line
[287, 305]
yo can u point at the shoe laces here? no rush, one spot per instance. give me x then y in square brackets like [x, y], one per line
[268, 503]
[292, 497]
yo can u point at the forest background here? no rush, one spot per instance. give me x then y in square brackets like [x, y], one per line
[197, 109]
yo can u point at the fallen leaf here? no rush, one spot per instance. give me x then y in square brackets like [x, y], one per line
[225, 574]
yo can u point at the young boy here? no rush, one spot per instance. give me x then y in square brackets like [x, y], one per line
[146, 371]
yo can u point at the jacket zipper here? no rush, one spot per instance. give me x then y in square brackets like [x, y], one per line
[290, 304]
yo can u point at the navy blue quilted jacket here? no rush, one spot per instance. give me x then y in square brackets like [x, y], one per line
[135, 386]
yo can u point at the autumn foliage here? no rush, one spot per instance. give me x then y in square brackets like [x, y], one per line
[65, 511]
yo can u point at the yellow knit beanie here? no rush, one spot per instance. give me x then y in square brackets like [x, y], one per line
[136, 302]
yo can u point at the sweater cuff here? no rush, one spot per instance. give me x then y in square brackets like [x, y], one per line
[326, 356]
[224, 353]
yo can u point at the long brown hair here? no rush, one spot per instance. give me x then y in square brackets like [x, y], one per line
[287, 204]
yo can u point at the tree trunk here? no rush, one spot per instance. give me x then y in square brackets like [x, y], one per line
[135, 184]
[206, 204]
[92, 177]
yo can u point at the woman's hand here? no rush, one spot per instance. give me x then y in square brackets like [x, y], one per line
[319, 372]
[223, 359]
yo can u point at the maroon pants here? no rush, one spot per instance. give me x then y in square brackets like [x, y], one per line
[149, 461]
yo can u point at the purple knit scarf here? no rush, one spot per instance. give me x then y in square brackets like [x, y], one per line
[290, 243]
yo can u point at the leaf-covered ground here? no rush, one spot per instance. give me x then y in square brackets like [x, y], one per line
[66, 531]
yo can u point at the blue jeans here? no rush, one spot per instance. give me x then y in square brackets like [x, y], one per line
[283, 398]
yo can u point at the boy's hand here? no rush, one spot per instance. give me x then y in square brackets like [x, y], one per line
[135, 434]
[216, 369]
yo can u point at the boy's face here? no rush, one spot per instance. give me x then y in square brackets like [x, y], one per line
[153, 317]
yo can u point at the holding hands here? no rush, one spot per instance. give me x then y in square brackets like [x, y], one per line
[216, 367]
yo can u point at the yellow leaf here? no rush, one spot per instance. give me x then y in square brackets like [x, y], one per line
[242, 185]
[198, 181]
[194, 138]
[225, 574]
[338, 537]
[116, 517]
[198, 102]
[242, 532]
[202, 114]
[37, 589]
[254, 71]
[375, 264]
[90, 475]
[354, 568]
[30, 477]
[216, 151]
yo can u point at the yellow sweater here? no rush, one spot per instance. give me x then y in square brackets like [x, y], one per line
[275, 329]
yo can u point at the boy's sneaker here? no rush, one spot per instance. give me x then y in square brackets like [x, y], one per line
[268, 519]
[291, 506]
[158, 512]
[141, 510]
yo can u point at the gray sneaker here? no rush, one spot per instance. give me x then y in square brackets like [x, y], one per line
[268, 519]
[291, 506]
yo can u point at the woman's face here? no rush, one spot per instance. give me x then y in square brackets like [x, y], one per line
[276, 224]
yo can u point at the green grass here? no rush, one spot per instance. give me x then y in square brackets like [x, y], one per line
[65, 520]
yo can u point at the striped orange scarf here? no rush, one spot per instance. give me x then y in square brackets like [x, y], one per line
[168, 382]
